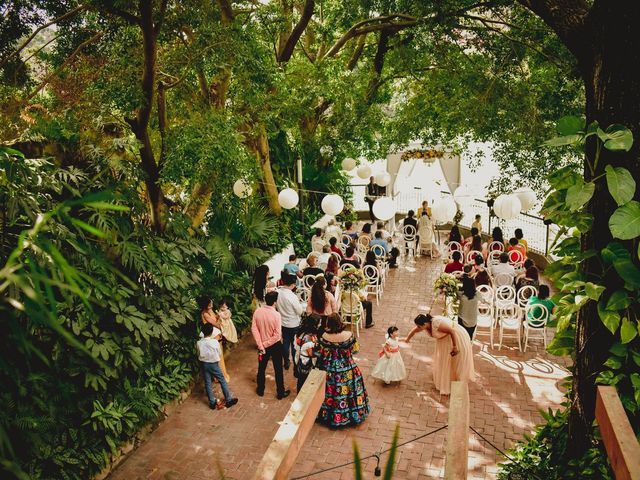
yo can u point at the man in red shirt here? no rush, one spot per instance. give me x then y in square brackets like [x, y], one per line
[455, 265]
[266, 327]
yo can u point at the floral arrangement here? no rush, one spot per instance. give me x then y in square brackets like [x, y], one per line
[424, 154]
[352, 279]
[447, 284]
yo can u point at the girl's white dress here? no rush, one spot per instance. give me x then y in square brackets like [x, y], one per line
[228, 328]
[390, 367]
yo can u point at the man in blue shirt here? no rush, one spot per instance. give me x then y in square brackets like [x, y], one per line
[392, 253]
[292, 267]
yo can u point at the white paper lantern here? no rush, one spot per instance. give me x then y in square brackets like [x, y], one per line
[242, 189]
[507, 207]
[384, 208]
[383, 179]
[332, 204]
[288, 198]
[463, 195]
[527, 198]
[348, 164]
[364, 171]
[444, 210]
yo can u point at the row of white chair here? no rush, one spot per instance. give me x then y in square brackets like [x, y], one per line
[512, 320]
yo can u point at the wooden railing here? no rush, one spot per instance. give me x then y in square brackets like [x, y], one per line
[457, 450]
[618, 438]
[289, 439]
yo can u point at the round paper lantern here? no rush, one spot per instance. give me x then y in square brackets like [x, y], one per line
[443, 210]
[463, 194]
[384, 208]
[527, 198]
[288, 198]
[507, 206]
[242, 189]
[348, 164]
[383, 179]
[332, 204]
[364, 171]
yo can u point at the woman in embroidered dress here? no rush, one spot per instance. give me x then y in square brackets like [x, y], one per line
[345, 400]
[453, 356]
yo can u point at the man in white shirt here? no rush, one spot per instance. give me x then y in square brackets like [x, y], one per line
[332, 230]
[380, 228]
[323, 258]
[209, 355]
[290, 308]
[504, 267]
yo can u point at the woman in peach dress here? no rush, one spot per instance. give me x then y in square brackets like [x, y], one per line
[454, 355]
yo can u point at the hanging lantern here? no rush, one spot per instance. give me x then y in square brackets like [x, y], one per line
[507, 206]
[527, 198]
[383, 179]
[443, 210]
[348, 164]
[463, 195]
[242, 189]
[288, 198]
[332, 204]
[364, 171]
[384, 208]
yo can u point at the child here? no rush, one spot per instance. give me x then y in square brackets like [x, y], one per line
[209, 355]
[390, 367]
[304, 344]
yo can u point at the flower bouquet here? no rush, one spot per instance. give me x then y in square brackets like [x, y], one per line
[352, 279]
[447, 284]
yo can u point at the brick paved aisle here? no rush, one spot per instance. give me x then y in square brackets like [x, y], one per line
[195, 442]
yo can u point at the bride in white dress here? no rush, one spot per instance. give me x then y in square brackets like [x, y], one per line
[390, 367]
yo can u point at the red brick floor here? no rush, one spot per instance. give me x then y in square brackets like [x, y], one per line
[197, 443]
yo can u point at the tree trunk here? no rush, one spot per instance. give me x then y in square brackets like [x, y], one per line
[612, 91]
[198, 205]
[259, 145]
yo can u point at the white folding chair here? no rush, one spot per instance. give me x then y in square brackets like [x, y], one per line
[455, 246]
[346, 240]
[502, 279]
[505, 295]
[509, 319]
[346, 266]
[493, 258]
[372, 274]
[496, 246]
[536, 317]
[471, 256]
[524, 293]
[363, 243]
[486, 320]
[516, 257]
[308, 281]
[351, 310]
[381, 256]
[303, 294]
[409, 239]
[458, 273]
[342, 247]
[486, 292]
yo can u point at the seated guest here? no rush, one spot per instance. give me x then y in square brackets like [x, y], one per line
[455, 235]
[467, 241]
[542, 299]
[480, 273]
[349, 257]
[292, 266]
[333, 246]
[503, 266]
[320, 301]
[514, 245]
[380, 228]
[496, 236]
[312, 269]
[518, 234]
[317, 241]
[409, 220]
[392, 253]
[530, 277]
[323, 258]
[366, 231]
[476, 245]
[456, 264]
[332, 265]
[370, 259]
[332, 282]
[332, 230]
[350, 230]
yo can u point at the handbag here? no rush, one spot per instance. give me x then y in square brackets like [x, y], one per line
[301, 369]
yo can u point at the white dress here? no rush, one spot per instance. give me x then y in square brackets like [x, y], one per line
[390, 367]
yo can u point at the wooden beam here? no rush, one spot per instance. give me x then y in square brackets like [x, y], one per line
[457, 450]
[283, 451]
[619, 440]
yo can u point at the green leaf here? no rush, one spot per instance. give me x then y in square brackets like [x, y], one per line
[621, 184]
[610, 319]
[570, 125]
[107, 206]
[618, 301]
[89, 228]
[619, 350]
[636, 357]
[628, 330]
[594, 291]
[564, 140]
[625, 221]
[580, 194]
[619, 138]
[614, 363]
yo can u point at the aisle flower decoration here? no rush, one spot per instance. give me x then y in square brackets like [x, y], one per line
[447, 284]
[352, 279]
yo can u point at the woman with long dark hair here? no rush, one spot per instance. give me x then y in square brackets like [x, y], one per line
[496, 235]
[260, 282]
[468, 307]
[454, 234]
[320, 301]
[332, 265]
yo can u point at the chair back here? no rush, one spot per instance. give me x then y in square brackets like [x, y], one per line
[485, 314]
[458, 273]
[486, 292]
[536, 315]
[346, 266]
[363, 241]
[495, 245]
[342, 247]
[505, 294]
[472, 254]
[516, 257]
[503, 279]
[494, 257]
[308, 281]
[337, 255]
[379, 252]
[524, 293]
[372, 274]
[350, 304]
[359, 257]
[303, 294]
[453, 246]
[409, 233]
[346, 239]
[509, 315]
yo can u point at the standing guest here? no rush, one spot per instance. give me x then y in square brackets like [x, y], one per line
[209, 355]
[519, 235]
[320, 301]
[323, 258]
[371, 196]
[477, 224]
[312, 268]
[349, 257]
[345, 401]
[332, 265]
[468, 306]
[305, 344]
[290, 309]
[333, 246]
[515, 246]
[455, 235]
[266, 328]
[332, 230]
[392, 253]
[317, 241]
[455, 265]
[261, 285]
[390, 367]
[292, 266]
[424, 208]
[454, 355]
[380, 228]
[480, 273]
[208, 316]
[350, 230]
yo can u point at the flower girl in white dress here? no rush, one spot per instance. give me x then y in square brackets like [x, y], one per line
[390, 367]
